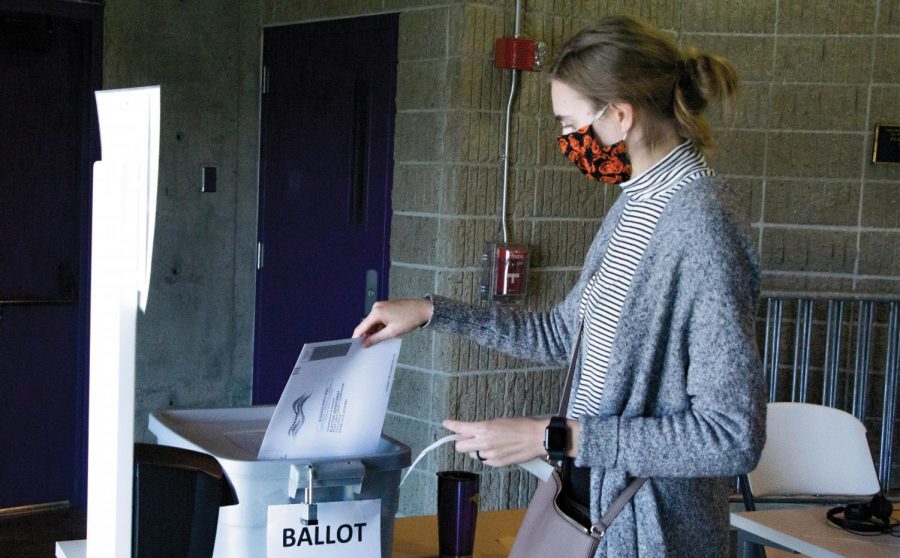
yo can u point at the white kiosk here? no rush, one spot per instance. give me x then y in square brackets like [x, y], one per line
[123, 217]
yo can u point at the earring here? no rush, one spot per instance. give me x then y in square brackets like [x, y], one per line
[625, 136]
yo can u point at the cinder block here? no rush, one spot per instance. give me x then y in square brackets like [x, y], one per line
[416, 349]
[443, 405]
[749, 191]
[479, 396]
[459, 23]
[889, 18]
[345, 8]
[473, 137]
[417, 187]
[419, 136]
[521, 195]
[458, 285]
[273, 11]
[563, 194]
[519, 487]
[410, 282]
[661, 13]
[879, 253]
[815, 155]
[471, 191]
[489, 484]
[819, 107]
[552, 287]
[461, 240]
[422, 85]
[413, 239]
[739, 152]
[394, 5]
[411, 393]
[881, 205]
[785, 249]
[533, 392]
[749, 109]
[885, 104]
[418, 495]
[834, 17]
[464, 81]
[823, 59]
[728, 16]
[812, 202]
[528, 97]
[563, 243]
[887, 68]
[547, 141]
[804, 284]
[882, 286]
[422, 34]
[560, 28]
[524, 139]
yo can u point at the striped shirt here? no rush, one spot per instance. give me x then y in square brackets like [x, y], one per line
[604, 297]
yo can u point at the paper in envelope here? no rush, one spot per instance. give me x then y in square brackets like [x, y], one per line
[334, 402]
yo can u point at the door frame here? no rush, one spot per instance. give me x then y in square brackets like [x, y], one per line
[90, 14]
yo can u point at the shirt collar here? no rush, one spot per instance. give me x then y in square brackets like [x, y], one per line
[666, 173]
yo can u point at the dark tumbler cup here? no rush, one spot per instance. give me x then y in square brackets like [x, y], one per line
[457, 509]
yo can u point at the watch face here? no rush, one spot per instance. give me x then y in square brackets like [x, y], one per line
[555, 439]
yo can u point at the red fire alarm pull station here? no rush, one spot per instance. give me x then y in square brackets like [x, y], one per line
[504, 274]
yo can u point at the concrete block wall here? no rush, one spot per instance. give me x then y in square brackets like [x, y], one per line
[816, 78]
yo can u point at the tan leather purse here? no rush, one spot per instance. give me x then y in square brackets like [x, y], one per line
[547, 531]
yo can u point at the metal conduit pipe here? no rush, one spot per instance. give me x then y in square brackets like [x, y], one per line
[506, 134]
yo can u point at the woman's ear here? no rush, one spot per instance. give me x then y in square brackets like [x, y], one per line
[624, 115]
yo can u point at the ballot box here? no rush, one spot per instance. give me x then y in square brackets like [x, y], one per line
[234, 435]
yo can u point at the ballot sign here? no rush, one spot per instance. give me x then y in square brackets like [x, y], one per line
[341, 530]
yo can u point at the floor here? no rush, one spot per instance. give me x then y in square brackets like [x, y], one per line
[34, 535]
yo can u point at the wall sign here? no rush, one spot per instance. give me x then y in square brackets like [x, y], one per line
[344, 529]
[886, 148]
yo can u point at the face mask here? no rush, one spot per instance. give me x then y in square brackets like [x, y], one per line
[607, 164]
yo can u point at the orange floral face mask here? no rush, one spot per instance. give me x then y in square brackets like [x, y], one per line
[608, 164]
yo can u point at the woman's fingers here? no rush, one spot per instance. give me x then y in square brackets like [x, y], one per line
[392, 319]
[500, 442]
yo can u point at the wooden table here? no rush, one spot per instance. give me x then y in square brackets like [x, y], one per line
[417, 537]
[807, 531]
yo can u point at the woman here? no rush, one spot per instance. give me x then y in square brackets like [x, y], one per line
[669, 384]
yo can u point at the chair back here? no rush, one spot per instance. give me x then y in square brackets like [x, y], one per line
[813, 450]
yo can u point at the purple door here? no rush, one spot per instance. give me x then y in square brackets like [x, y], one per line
[49, 67]
[325, 179]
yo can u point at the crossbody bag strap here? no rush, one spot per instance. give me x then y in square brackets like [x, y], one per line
[599, 529]
[570, 374]
[601, 526]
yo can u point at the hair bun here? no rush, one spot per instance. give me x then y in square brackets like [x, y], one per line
[689, 91]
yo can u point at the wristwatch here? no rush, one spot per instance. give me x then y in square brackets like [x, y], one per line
[556, 437]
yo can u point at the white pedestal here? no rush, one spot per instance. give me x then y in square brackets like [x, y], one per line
[71, 549]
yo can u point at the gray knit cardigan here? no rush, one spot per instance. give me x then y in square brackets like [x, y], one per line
[684, 401]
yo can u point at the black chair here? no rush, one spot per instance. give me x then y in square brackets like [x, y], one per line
[177, 495]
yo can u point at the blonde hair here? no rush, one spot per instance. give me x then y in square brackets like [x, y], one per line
[623, 59]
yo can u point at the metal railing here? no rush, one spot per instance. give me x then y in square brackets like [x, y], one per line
[857, 361]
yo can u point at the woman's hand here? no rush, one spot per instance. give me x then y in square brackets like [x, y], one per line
[393, 318]
[500, 442]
